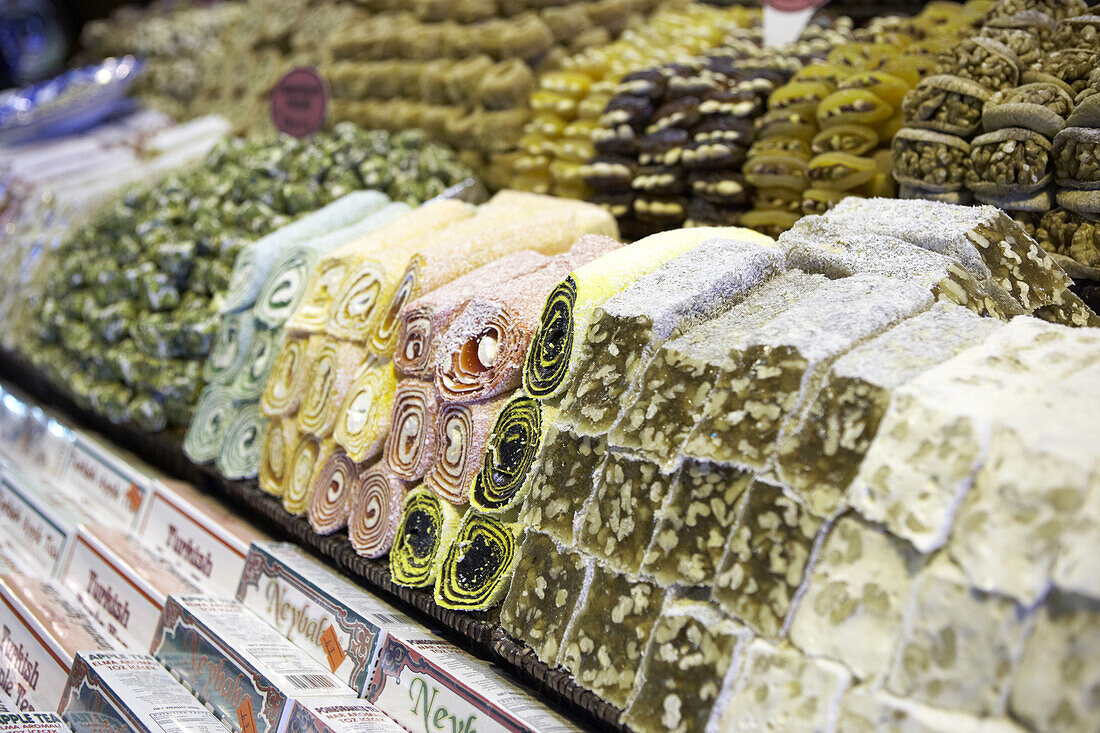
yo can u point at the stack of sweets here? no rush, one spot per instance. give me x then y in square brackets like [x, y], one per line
[565, 107]
[701, 482]
[671, 142]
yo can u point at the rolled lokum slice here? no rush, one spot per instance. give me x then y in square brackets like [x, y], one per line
[934, 435]
[930, 160]
[230, 348]
[239, 457]
[1009, 161]
[373, 511]
[426, 530]
[947, 104]
[410, 445]
[280, 438]
[561, 481]
[289, 376]
[254, 262]
[1013, 524]
[306, 461]
[855, 599]
[676, 382]
[476, 569]
[1059, 667]
[543, 224]
[766, 557]
[329, 497]
[1039, 106]
[820, 449]
[374, 263]
[604, 645]
[330, 375]
[617, 521]
[1075, 158]
[988, 633]
[319, 292]
[206, 434]
[424, 320]
[481, 354]
[250, 381]
[462, 433]
[363, 419]
[983, 239]
[778, 688]
[513, 444]
[769, 369]
[691, 649]
[555, 349]
[693, 522]
[627, 329]
[547, 584]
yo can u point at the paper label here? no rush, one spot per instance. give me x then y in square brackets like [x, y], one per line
[37, 533]
[337, 624]
[126, 691]
[784, 20]
[127, 608]
[32, 672]
[299, 102]
[231, 659]
[31, 722]
[428, 685]
[340, 716]
[116, 490]
[192, 544]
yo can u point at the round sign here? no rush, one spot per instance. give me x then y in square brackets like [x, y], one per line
[791, 6]
[299, 102]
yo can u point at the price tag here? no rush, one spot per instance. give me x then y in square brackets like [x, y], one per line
[784, 20]
[299, 102]
[245, 716]
[333, 650]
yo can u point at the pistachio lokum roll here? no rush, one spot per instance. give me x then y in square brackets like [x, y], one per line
[280, 438]
[481, 354]
[424, 320]
[505, 225]
[627, 329]
[373, 511]
[251, 378]
[254, 263]
[410, 445]
[547, 584]
[374, 262]
[331, 492]
[555, 350]
[206, 434]
[364, 417]
[427, 529]
[768, 370]
[821, 450]
[230, 348]
[239, 457]
[476, 569]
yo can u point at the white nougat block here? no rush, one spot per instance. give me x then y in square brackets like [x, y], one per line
[864, 710]
[780, 689]
[853, 606]
[936, 433]
[959, 647]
